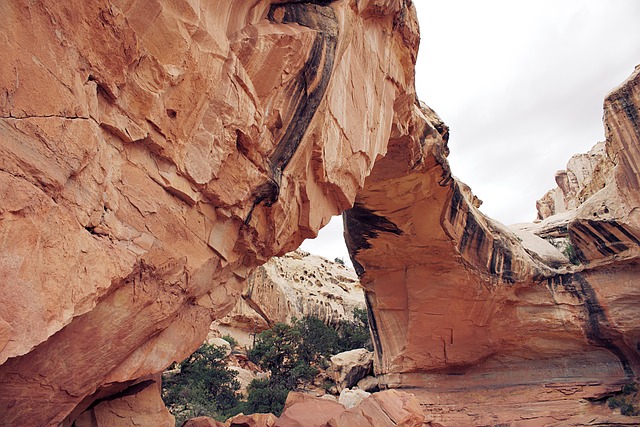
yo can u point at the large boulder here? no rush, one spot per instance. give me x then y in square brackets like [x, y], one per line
[368, 383]
[350, 398]
[202, 422]
[349, 367]
[304, 410]
[253, 420]
[222, 344]
[383, 409]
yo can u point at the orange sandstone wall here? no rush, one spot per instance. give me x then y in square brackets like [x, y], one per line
[153, 153]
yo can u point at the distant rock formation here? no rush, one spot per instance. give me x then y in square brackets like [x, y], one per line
[585, 175]
[297, 284]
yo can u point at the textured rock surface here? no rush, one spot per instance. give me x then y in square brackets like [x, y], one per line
[585, 175]
[303, 409]
[464, 305]
[202, 422]
[153, 153]
[138, 405]
[349, 367]
[253, 420]
[350, 398]
[294, 285]
[383, 409]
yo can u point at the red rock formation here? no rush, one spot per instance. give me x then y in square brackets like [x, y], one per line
[387, 408]
[138, 405]
[202, 422]
[153, 154]
[464, 304]
[253, 420]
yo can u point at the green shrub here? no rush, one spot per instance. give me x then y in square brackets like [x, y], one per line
[204, 386]
[570, 252]
[266, 396]
[355, 334]
[231, 340]
[293, 353]
[626, 400]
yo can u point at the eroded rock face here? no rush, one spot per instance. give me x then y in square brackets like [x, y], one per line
[153, 154]
[586, 174]
[349, 367]
[138, 405]
[465, 304]
[295, 285]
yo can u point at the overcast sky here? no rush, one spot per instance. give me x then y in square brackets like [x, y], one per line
[521, 85]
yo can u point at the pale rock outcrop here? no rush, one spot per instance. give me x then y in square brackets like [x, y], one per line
[153, 154]
[585, 175]
[221, 343]
[297, 284]
[244, 377]
[350, 398]
[349, 367]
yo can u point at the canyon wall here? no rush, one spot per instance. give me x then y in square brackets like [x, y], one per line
[297, 284]
[464, 306]
[153, 154]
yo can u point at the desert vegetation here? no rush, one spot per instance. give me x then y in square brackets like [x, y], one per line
[292, 355]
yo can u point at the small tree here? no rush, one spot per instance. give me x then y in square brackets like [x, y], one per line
[354, 334]
[204, 386]
[318, 340]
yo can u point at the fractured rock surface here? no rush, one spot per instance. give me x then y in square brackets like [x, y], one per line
[153, 154]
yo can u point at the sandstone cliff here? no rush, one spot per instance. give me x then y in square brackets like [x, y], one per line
[297, 284]
[467, 309]
[153, 154]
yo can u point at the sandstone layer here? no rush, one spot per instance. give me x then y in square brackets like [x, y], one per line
[464, 306]
[153, 154]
